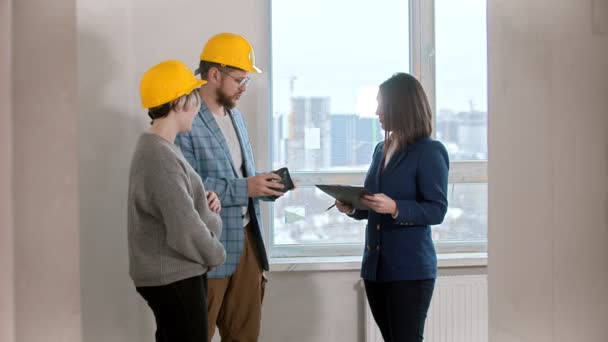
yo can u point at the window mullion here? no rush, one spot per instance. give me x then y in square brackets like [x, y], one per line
[422, 45]
[313, 178]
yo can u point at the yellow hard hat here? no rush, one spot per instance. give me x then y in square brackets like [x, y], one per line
[232, 50]
[166, 82]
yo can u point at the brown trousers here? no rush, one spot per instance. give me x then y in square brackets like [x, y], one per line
[235, 303]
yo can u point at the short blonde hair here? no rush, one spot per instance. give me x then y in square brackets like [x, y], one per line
[187, 102]
[183, 103]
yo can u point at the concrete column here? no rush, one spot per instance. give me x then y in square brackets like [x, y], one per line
[45, 181]
[7, 281]
[548, 170]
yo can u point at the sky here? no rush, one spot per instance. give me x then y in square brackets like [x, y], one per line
[345, 48]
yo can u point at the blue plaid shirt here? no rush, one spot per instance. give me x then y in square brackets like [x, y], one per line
[206, 149]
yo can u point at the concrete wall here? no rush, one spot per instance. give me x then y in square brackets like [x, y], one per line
[548, 170]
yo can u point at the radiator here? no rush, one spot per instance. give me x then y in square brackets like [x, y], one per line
[458, 312]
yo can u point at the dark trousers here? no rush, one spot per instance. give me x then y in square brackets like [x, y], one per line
[399, 308]
[180, 309]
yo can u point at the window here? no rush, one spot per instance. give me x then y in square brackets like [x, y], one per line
[461, 119]
[328, 59]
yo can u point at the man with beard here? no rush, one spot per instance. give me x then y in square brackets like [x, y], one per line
[218, 148]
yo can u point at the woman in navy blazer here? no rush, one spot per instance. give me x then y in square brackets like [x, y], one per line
[408, 177]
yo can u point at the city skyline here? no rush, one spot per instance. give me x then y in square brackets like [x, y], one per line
[326, 69]
[341, 58]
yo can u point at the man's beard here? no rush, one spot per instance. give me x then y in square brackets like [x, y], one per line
[224, 100]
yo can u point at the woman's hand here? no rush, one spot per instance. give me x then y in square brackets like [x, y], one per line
[344, 208]
[380, 203]
[214, 202]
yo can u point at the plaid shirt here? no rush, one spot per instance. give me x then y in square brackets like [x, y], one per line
[205, 148]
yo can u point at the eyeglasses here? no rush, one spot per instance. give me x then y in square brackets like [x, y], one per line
[243, 82]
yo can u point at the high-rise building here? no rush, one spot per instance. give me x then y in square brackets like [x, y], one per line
[309, 138]
[308, 143]
[353, 139]
[465, 134]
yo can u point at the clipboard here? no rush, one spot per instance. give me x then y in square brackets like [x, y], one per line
[346, 194]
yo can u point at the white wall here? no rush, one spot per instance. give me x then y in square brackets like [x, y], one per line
[548, 170]
[117, 41]
[313, 306]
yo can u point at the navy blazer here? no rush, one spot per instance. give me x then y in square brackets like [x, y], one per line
[417, 179]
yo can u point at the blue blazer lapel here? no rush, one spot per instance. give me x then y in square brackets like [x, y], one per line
[399, 155]
[374, 172]
[395, 160]
[213, 127]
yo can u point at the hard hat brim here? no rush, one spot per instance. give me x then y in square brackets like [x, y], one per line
[198, 84]
[254, 69]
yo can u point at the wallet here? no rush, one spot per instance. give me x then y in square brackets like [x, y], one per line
[285, 180]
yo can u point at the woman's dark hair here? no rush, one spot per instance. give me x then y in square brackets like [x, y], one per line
[160, 111]
[406, 111]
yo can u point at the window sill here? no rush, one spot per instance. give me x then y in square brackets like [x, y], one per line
[348, 263]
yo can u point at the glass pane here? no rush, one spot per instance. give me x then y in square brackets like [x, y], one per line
[467, 216]
[461, 77]
[326, 68]
[300, 218]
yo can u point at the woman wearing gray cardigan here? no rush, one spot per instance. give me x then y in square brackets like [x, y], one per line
[174, 226]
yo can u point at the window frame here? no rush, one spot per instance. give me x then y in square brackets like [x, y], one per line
[422, 65]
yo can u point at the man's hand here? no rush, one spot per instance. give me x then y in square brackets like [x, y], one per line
[344, 208]
[266, 184]
[380, 203]
[214, 202]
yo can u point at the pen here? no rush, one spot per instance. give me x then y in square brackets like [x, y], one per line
[331, 206]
